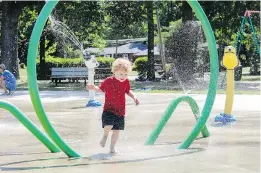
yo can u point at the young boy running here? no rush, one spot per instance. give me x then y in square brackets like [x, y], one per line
[115, 88]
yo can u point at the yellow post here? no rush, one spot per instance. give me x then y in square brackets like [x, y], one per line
[229, 92]
[230, 62]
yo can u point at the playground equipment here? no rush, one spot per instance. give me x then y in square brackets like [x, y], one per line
[240, 35]
[34, 93]
[195, 109]
[247, 18]
[230, 62]
[29, 125]
[91, 63]
[200, 125]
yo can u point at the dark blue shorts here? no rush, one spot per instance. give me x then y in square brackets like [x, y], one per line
[111, 119]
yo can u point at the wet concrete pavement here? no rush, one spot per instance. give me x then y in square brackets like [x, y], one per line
[229, 149]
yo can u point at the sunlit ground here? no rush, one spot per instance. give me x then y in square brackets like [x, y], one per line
[229, 149]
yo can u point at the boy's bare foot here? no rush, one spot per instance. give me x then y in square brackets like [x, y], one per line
[113, 151]
[103, 141]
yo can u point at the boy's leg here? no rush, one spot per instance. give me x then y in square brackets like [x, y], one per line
[114, 138]
[107, 129]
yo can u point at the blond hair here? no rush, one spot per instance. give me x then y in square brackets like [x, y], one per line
[121, 64]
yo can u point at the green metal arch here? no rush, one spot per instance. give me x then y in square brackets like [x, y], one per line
[213, 79]
[34, 92]
[29, 125]
[32, 83]
[169, 111]
[213, 74]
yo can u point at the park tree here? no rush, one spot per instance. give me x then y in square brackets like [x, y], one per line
[94, 21]
[187, 14]
[85, 19]
[151, 70]
[82, 19]
[27, 19]
[225, 18]
[9, 35]
[125, 20]
[168, 11]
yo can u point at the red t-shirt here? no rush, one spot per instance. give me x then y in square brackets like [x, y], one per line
[115, 95]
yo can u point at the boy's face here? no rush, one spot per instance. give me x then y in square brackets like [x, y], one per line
[121, 75]
[1, 70]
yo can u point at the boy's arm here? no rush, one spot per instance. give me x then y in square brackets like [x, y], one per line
[132, 95]
[93, 87]
[97, 89]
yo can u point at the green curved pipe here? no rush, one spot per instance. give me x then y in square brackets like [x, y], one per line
[212, 84]
[169, 111]
[213, 74]
[32, 84]
[29, 125]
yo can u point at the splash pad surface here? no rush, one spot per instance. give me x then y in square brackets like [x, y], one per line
[230, 149]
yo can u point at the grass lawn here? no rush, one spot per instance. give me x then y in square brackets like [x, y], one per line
[23, 75]
[250, 78]
[247, 77]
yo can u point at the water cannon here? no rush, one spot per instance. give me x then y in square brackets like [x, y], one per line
[91, 63]
[86, 55]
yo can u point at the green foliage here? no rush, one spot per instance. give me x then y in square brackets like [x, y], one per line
[126, 19]
[94, 21]
[51, 49]
[169, 11]
[169, 31]
[85, 19]
[140, 65]
[25, 26]
[51, 61]
[62, 62]
[225, 17]
[105, 62]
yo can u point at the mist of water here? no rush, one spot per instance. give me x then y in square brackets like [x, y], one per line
[62, 31]
[189, 62]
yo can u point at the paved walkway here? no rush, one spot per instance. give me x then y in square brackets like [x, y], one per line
[229, 149]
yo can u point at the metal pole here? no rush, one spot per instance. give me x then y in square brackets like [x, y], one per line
[254, 34]
[162, 53]
[240, 30]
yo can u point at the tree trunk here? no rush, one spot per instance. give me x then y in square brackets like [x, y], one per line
[187, 13]
[150, 70]
[9, 33]
[42, 66]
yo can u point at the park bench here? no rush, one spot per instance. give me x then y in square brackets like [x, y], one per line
[72, 74]
[77, 73]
